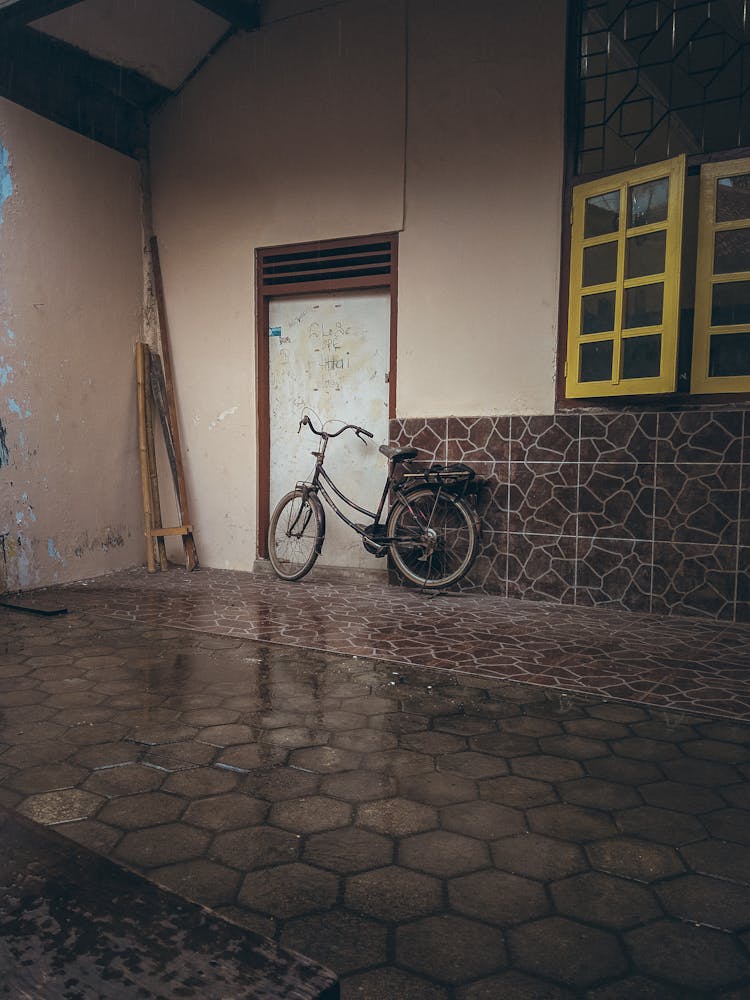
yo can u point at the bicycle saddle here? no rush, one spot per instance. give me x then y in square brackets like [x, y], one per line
[397, 455]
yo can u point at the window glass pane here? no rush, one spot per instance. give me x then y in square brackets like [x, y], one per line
[602, 214]
[596, 361]
[599, 264]
[732, 251]
[641, 356]
[648, 202]
[733, 198]
[646, 254]
[729, 355]
[730, 304]
[643, 305]
[598, 313]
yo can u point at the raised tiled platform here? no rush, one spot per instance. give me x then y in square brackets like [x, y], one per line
[687, 664]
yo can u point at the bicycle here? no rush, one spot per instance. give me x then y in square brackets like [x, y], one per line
[430, 531]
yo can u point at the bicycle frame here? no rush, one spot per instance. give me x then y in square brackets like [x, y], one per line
[314, 485]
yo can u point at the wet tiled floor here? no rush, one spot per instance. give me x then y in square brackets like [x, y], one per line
[688, 664]
[426, 833]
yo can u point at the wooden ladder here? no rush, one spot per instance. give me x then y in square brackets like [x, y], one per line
[156, 387]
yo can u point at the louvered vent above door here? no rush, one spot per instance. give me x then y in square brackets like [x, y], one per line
[327, 266]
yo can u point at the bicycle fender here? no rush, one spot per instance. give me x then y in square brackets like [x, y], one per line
[320, 510]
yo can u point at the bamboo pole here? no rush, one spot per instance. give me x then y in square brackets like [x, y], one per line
[152, 471]
[140, 369]
[191, 554]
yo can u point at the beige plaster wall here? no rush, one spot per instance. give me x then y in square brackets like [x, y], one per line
[70, 313]
[292, 133]
[441, 118]
[479, 257]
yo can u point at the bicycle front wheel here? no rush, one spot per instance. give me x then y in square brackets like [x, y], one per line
[434, 538]
[295, 535]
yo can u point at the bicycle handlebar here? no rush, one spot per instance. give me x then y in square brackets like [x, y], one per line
[359, 431]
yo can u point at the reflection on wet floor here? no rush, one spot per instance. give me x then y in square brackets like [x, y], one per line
[425, 833]
[690, 664]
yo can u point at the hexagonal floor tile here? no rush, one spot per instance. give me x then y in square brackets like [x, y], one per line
[691, 957]
[340, 940]
[567, 952]
[438, 788]
[498, 898]
[226, 812]
[255, 847]
[604, 899]
[198, 782]
[442, 853]
[711, 901]
[124, 779]
[63, 806]
[636, 859]
[393, 894]
[348, 850]
[162, 845]
[310, 815]
[483, 820]
[203, 881]
[398, 817]
[325, 760]
[358, 786]
[538, 857]
[387, 983]
[288, 890]
[134, 812]
[450, 949]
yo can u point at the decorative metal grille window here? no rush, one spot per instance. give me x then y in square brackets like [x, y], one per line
[658, 78]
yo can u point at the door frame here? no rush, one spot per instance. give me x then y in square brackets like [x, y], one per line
[319, 267]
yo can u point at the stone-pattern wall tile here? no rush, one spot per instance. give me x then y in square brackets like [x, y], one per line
[694, 580]
[742, 613]
[478, 439]
[490, 571]
[543, 497]
[635, 510]
[618, 437]
[614, 572]
[427, 436]
[697, 503]
[700, 437]
[492, 500]
[745, 505]
[541, 567]
[545, 439]
[616, 500]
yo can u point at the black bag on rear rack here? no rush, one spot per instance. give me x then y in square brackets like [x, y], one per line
[456, 478]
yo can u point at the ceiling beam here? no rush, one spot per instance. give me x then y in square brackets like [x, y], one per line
[243, 14]
[17, 12]
[104, 102]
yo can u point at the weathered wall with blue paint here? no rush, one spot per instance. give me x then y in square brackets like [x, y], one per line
[70, 313]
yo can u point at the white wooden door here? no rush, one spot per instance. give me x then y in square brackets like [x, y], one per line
[329, 356]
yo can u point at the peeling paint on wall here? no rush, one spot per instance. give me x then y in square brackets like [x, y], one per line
[4, 454]
[222, 417]
[52, 551]
[6, 181]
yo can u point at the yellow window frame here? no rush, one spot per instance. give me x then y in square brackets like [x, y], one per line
[668, 329]
[705, 280]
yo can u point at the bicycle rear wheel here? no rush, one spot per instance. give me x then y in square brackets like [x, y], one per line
[435, 539]
[295, 535]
